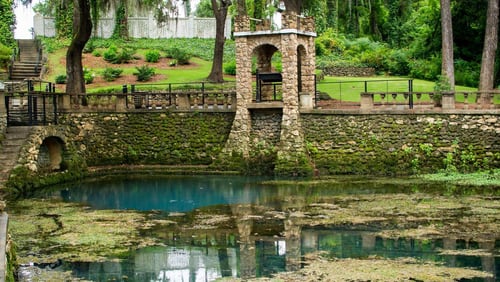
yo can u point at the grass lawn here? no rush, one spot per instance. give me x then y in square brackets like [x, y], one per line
[339, 88]
[349, 88]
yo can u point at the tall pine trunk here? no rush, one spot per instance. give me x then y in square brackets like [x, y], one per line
[447, 68]
[487, 76]
[82, 29]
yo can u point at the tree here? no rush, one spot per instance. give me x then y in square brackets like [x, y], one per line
[220, 8]
[82, 29]
[447, 68]
[487, 76]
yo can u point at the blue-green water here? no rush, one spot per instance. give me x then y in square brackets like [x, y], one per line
[205, 255]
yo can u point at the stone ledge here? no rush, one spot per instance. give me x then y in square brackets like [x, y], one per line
[266, 105]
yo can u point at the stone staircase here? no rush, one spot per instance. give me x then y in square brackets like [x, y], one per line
[10, 149]
[29, 64]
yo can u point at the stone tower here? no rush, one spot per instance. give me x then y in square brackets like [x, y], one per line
[295, 41]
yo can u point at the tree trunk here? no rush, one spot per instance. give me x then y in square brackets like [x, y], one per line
[487, 76]
[293, 6]
[447, 68]
[220, 13]
[82, 29]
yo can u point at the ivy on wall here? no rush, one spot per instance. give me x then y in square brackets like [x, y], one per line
[7, 22]
[64, 19]
[121, 25]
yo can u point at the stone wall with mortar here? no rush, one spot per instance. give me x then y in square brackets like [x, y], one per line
[348, 71]
[337, 143]
[155, 138]
[402, 144]
[3, 124]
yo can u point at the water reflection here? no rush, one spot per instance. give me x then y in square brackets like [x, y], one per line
[267, 255]
[249, 245]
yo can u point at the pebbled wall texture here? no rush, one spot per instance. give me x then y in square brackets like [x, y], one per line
[376, 144]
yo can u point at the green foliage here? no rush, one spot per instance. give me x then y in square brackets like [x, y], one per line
[152, 56]
[230, 68]
[5, 55]
[144, 73]
[88, 76]
[64, 19]
[182, 57]
[7, 19]
[111, 74]
[89, 47]
[204, 9]
[467, 73]
[96, 53]
[118, 56]
[61, 79]
[427, 69]
[121, 25]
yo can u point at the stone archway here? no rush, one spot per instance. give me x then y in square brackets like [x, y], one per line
[295, 42]
[51, 154]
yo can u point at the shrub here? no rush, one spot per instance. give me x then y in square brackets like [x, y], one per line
[111, 74]
[96, 53]
[118, 56]
[144, 73]
[89, 47]
[180, 55]
[5, 54]
[425, 69]
[152, 56]
[60, 79]
[467, 73]
[230, 68]
[111, 54]
[88, 76]
[397, 63]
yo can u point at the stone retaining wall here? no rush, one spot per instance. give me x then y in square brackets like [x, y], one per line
[153, 138]
[337, 143]
[348, 71]
[402, 144]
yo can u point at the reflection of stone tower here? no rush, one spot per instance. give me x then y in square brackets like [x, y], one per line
[295, 41]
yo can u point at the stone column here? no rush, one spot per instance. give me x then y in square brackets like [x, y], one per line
[239, 138]
[3, 106]
[291, 157]
[293, 245]
[366, 101]
[448, 100]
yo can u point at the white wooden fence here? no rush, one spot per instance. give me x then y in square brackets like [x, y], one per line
[144, 27]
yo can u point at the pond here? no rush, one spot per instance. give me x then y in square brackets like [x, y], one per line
[203, 228]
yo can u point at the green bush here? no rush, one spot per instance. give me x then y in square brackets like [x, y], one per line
[111, 74]
[88, 76]
[5, 55]
[60, 79]
[89, 47]
[144, 73]
[152, 56]
[180, 55]
[96, 53]
[397, 62]
[118, 56]
[230, 68]
[467, 73]
[425, 69]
